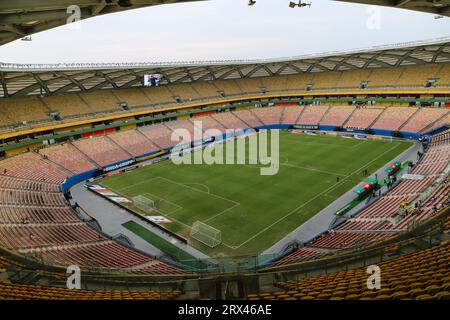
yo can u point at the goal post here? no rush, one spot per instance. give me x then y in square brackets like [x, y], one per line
[206, 234]
[143, 203]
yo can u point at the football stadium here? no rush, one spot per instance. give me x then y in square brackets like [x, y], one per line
[313, 177]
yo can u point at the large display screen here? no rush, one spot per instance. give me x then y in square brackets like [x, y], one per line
[152, 80]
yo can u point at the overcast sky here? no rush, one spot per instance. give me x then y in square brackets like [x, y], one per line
[225, 29]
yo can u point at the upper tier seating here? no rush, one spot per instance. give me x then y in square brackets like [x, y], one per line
[229, 87]
[384, 77]
[353, 78]
[312, 115]
[362, 118]
[101, 101]
[274, 84]
[206, 89]
[69, 157]
[326, 80]
[102, 150]
[250, 85]
[299, 82]
[24, 109]
[336, 116]
[133, 142]
[134, 97]
[13, 111]
[443, 75]
[394, 117]
[417, 75]
[69, 105]
[158, 95]
[185, 92]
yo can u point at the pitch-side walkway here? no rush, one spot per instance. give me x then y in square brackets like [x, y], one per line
[111, 217]
[322, 221]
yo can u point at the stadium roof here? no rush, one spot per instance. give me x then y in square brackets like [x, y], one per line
[48, 79]
[19, 18]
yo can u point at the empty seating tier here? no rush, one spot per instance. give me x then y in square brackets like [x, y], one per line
[133, 142]
[102, 150]
[336, 116]
[69, 157]
[394, 117]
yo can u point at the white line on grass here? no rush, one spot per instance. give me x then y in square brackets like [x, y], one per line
[211, 194]
[168, 201]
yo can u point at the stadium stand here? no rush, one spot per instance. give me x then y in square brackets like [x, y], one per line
[102, 150]
[384, 77]
[159, 134]
[269, 115]
[31, 166]
[394, 117]
[352, 79]
[291, 114]
[229, 87]
[133, 142]
[417, 76]
[207, 123]
[185, 91]
[274, 84]
[158, 95]
[25, 110]
[13, 291]
[182, 124]
[248, 118]
[206, 89]
[100, 101]
[229, 120]
[362, 118]
[326, 80]
[69, 105]
[443, 76]
[69, 157]
[337, 116]
[423, 118]
[299, 82]
[419, 276]
[312, 115]
[250, 85]
[134, 97]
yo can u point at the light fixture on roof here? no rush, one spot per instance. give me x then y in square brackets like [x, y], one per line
[251, 2]
[300, 4]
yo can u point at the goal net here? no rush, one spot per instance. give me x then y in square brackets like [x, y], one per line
[143, 203]
[206, 234]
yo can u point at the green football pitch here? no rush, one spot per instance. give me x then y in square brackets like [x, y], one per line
[254, 211]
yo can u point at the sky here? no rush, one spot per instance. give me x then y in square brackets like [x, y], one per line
[225, 29]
